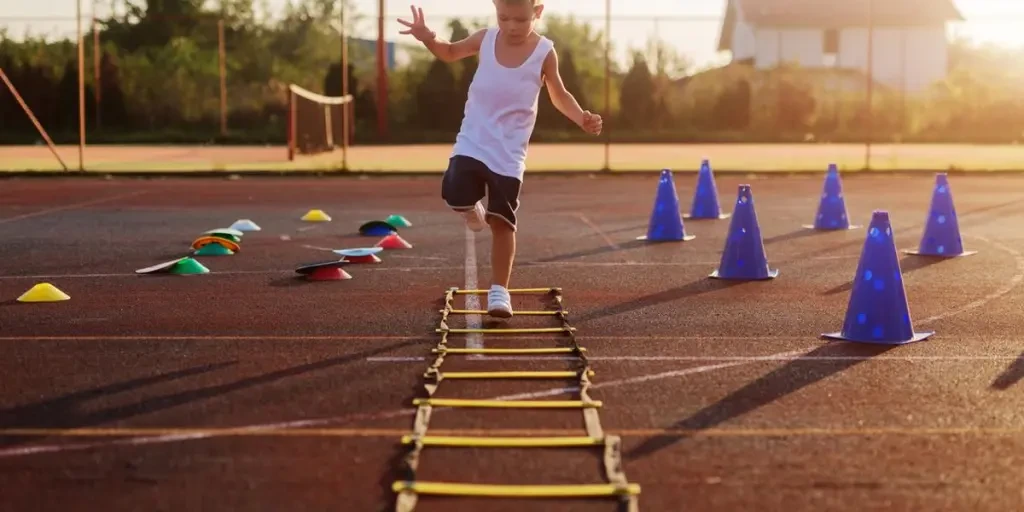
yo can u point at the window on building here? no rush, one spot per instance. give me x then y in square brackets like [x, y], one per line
[830, 48]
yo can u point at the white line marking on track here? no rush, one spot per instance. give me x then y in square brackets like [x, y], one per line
[72, 206]
[607, 240]
[142, 440]
[367, 268]
[752, 359]
[473, 321]
[1007, 288]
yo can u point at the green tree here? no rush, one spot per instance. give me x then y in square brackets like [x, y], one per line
[639, 104]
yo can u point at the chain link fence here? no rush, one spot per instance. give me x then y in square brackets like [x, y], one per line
[878, 94]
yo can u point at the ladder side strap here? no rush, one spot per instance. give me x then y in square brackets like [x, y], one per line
[506, 442]
[512, 351]
[518, 491]
[529, 330]
[510, 290]
[513, 375]
[507, 404]
[484, 312]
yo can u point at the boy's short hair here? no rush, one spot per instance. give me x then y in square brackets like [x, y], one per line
[531, 3]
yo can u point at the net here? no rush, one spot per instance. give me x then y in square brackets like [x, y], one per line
[318, 123]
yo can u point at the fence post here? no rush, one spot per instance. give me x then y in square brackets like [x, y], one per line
[607, 84]
[870, 86]
[222, 56]
[81, 87]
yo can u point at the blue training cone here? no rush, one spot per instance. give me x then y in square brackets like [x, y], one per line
[878, 311]
[942, 232]
[832, 214]
[744, 257]
[705, 198]
[666, 224]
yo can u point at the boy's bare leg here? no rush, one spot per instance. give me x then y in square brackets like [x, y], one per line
[503, 250]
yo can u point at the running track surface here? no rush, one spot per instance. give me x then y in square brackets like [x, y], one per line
[709, 422]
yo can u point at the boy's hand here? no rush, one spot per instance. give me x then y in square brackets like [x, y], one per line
[418, 27]
[592, 123]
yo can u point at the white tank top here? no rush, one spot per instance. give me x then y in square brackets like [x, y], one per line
[501, 109]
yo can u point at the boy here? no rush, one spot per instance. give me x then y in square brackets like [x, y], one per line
[489, 155]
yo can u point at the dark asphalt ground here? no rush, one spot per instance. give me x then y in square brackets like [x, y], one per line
[709, 423]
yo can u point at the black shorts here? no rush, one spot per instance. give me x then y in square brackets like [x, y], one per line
[467, 180]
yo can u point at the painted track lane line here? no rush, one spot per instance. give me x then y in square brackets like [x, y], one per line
[611, 244]
[72, 206]
[629, 359]
[434, 268]
[394, 413]
[473, 321]
[1007, 288]
[385, 337]
[143, 434]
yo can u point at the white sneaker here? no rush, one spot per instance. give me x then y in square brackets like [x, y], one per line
[499, 302]
[475, 218]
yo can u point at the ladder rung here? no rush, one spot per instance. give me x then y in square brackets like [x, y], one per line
[507, 404]
[507, 351]
[511, 290]
[514, 375]
[506, 442]
[520, 313]
[518, 491]
[534, 330]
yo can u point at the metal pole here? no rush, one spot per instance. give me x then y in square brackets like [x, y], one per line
[222, 56]
[607, 82]
[96, 79]
[870, 84]
[382, 75]
[81, 87]
[345, 112]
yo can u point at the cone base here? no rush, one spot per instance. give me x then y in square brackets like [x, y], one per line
[685, 238]
[772, 274]
[917, 252]
[815, 228]
[372, 258]
[918, 336]
[328, 274]
[722, 216]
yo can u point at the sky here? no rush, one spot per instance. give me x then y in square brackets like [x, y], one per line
[690, 26]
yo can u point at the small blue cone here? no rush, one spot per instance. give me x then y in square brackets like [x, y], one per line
[666, 224]
[878, 311]
[744, 257]
[832, 214]
[942, 232]
[705, 198]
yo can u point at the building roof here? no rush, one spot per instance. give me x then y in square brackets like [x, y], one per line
[836, 14]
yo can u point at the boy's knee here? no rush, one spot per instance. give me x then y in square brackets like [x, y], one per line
[500, 224]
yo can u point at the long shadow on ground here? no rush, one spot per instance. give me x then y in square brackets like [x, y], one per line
[689, 290]
[1013, 374]
[908, 264]
[63, 411]
[784, 381]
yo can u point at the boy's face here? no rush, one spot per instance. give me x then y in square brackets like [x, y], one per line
[517, 18]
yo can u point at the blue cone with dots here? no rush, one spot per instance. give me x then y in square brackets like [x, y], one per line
[942, 231]
[878, 311]
[744, 257]
[832, 215]
[705, 198]
[666, 224]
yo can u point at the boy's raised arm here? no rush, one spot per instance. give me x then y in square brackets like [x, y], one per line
[564, 101]
[444, 50]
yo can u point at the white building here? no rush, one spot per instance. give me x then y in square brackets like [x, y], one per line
[909, 45]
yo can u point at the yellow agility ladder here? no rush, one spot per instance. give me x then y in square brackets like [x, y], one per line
[616, 487]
